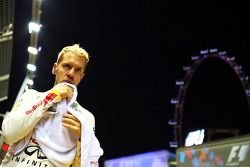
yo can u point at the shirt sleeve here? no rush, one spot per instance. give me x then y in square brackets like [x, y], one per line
[26, 113]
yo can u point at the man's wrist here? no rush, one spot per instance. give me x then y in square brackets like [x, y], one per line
[58, 95]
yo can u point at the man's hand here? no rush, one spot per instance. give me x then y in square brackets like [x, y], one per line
[72, 123]
[65, 91]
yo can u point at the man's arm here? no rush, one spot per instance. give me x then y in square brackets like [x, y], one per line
[26, 113]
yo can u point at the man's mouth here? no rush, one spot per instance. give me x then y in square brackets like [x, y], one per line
[67, 81]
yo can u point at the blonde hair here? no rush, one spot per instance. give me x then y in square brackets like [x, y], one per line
[76, 49]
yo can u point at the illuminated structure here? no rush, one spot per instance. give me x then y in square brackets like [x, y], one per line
[6, 43]
[33, 49]
[184, 85]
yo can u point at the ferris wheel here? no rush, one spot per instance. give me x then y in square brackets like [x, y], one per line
[221, 66]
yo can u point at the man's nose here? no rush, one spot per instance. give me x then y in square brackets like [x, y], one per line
[71, 72]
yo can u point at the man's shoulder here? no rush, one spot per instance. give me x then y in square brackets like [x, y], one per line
[29, 94]
[31, 91]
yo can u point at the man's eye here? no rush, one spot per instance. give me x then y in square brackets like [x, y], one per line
[78, 70]
[66, 66]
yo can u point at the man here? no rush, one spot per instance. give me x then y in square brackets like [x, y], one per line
[34, 109]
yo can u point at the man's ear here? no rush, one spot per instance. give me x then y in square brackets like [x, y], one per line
[82, 76]
[54, 69]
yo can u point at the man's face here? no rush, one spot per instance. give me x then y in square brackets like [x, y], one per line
[70, 69]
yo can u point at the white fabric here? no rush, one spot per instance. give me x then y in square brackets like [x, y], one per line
[59, 144]
[90, 146]
[31, 156]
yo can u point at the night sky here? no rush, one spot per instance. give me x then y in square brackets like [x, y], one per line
[137, 51]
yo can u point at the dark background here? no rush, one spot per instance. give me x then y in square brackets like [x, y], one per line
[138, 49]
